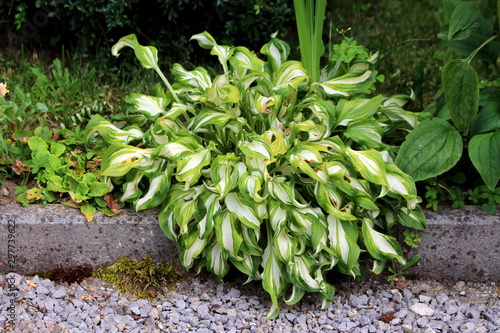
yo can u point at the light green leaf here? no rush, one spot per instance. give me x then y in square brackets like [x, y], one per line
[365, 132]
[150, 106]
[277, 52]
[432, 148]
[110, 132]
[283, 191]
[256, 146]
[289, 76]
[210, 117]
[88, 211]
[461, 90]
[147, 55]
[356, 109]
[244, 58]
[189, 167]
[352, 83]
[198, 78]
[484, 152]
[193, 247]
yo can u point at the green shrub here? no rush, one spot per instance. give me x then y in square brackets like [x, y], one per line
[465, 115]
[266, 169]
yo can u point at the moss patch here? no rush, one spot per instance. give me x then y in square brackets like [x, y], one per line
[141, 279]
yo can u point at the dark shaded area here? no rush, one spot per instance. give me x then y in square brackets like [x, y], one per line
[68, 275]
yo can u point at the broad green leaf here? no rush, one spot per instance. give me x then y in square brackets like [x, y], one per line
[244, 58]
[432, 148]
[379, 245]
[484, 152]
[119, 159]
[98, 189]
[245, 210]
[461, 90]
[412, 218]
[488, 119]
[464, 15]
[356, 109]
[289, 76]
[88, 211]
[370, 164]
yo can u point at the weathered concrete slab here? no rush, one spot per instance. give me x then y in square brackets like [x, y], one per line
[54, 236]
[459, 244]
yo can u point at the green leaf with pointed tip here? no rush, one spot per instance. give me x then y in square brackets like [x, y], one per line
[157, 192]
[150, 106]
[432, 148]
[277, 52]
[343, 238]
[88, 211]
[461, 90]
[366, 132]
[352, 83]
[217, 260]
[370, 164]
[228, 233]
[462, 18]
[197, 78]
[110, 132]
[379, 245]
[273, 277]
[192, 248]
[348, 111]
[484, 152]
[147, 55]
[206, 41]
[245, 210]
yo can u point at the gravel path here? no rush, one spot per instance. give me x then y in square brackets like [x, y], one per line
[202, 304]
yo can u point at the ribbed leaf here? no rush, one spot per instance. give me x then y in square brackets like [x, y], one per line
[463, 16]
[484, 152]
[432, 148]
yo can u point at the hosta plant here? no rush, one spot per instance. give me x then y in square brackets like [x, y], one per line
[265, 169]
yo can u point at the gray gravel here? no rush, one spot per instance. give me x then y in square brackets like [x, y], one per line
[203, 304]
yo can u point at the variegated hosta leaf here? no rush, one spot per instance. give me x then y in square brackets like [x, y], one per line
[370, 165]
[273, 277]
[366, 132]
[250, 185]
[206, 41]
[248, 264]
[208, 206]
[412, 218]
[244, 58]
[331, 200]
[111, 133]
[183, 214]
[296, 295]
[210, 117]
[400, 183]
[283, 191]
[224, 174]
[303, 219]
[301, 156]
[198, 78]
[277, 215]
[120, 159]
[356, 109]
[277, 52]
[192, 247]
[190, 166]
[352, 83]
[228, 233]
[284, 245]
[256, 146]
[147, 55]
[314, 131]
[343, 238]
[177, 148]
[168, 225]
[279, 145]
[300, 272]
[158, 190]
[267, 105]
[379, 245]
[245, 210]
[396, 113]
[150, 106]
[251, 238]
[131, 187]
[217, 260]
[288, 77]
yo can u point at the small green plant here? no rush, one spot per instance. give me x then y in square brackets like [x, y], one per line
[402, 269]
[263, 168]
[60, 168]
[412, 237]
[142, 279]
[471, 102]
